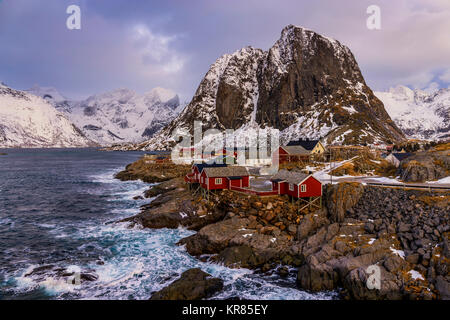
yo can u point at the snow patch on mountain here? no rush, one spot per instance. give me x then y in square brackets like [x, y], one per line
[419, 114]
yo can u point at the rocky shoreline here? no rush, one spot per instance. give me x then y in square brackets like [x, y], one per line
[404, 234]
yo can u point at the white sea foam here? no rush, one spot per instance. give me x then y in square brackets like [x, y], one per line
[137, 261]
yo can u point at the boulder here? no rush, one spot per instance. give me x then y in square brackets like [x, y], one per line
[311, 222]
[240, 257]
[443, 287]
[424, 167]
[342, 197]
[194, 284]
[316, 276]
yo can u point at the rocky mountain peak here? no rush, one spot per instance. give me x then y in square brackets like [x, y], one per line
[306, 85]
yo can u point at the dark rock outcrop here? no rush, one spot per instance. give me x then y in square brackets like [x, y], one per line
[146, 170]
[342, 197]
[425, 166]
[174, 207]
[404, 233]
[194, 284]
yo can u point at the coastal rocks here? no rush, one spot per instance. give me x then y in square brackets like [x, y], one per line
[236, 245]
[424, 167]
[194, 284]
[443, 287]
[150, 172]
[406, 238]
[316, 276]
[165, 187]
[240, 257]
[356, 284]
[346, 263]
[174, 206]
[342, 197]
[70, 275]
[311, 222]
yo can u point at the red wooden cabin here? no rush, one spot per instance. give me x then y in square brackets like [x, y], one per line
[296, 184]
[291, 154]
[196, 170]
[219, 178]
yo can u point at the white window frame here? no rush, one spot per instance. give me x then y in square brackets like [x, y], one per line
[218, 181]
[291, 187]
[303, 188]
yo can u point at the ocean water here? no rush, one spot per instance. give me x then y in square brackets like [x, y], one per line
[56, 213]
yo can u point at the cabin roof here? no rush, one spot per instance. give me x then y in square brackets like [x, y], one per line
[294, 177]
[306, 144]
[401, 155]
[201, 166]
[295, 150]
[234, 171]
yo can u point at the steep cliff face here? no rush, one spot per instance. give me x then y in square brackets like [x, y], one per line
[306, 85]
[307, 76]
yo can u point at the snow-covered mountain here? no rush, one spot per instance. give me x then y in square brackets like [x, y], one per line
[419, 114]
[306, 85]
[118, 116]
[27, 120]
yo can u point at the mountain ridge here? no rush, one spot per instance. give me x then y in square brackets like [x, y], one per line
[119, 115]
[27, 120]
[420, 114]
[305, 85]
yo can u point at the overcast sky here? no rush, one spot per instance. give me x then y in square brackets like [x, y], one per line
[144, 44]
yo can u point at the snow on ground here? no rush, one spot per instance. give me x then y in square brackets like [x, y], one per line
[415, 275]
[350, 109]
[323, 175]
[400, 253]
[443, 180]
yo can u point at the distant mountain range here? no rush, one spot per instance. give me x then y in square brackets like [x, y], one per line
[27, 120]
[306, 85]
[419, 114]
[118, 116]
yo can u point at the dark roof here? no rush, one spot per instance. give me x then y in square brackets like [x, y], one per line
[403, 155]
[234, 171]
[200, 166]
[307, 144]
[294, 177]
[296, 150]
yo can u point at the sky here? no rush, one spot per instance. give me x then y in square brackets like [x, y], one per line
[145, 44]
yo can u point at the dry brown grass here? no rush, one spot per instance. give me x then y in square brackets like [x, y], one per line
[442, 147]
[359, 166]
[442, 200]
[385, 169]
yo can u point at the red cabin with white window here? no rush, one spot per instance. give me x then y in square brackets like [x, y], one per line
[196, 170]
[296, 184]
[219, 178]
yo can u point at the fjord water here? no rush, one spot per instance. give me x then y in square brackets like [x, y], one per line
[56, 209]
